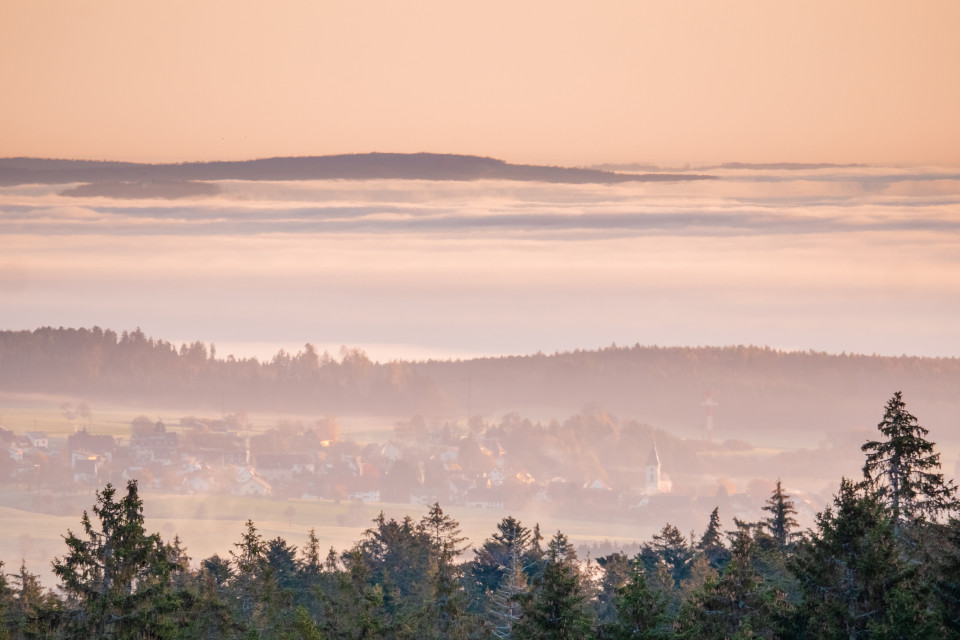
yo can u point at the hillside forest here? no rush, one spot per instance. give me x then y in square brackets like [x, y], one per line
[759, 389]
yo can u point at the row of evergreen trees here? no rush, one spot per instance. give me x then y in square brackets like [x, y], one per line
[882, 562]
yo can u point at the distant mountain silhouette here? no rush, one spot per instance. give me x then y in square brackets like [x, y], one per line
[365, 166]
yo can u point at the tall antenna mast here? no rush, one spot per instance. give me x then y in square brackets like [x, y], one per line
[709, 403]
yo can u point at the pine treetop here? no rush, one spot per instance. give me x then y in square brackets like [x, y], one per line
[904, 470]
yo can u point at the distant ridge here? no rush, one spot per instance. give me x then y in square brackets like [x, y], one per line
[759, 389]
[748, 166]
[363, 166]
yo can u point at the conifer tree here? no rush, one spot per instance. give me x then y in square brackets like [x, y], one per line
[557, 608]
[29, 606]
[311, 575]
[312, 564]
[332, 561]
[500, 558]
[946, 582]
[642, 612]
[701, 572]
[204, 613]
[499, 573]
[353, 608]
[447, 605]
[735, 605]
[711, 542]
[397, 554]
[302, 626]
[855, 582]
[537, 554]
[781, 522]
[4, 599]
[249, 573]
[443, 532]
[116, 576]
[711, 537]
[671, 551]
[219, 569]
[261, 606]
[904, 470]
[282, 558]
[617, 570]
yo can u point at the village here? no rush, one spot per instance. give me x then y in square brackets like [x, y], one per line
[418, 465]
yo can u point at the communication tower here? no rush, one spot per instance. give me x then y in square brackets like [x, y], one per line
[709, 403]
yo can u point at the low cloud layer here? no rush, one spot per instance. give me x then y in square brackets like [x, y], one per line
[501, 268]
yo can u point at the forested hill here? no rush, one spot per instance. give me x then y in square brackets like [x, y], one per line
[361, 166]
[756, 389]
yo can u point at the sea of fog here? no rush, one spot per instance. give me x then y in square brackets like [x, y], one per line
[856, 259]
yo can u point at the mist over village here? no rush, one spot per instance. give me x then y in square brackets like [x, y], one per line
[476, 321]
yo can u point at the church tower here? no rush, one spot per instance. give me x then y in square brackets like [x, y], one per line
[652, 472]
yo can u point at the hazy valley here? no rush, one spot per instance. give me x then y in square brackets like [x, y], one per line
[314, 440]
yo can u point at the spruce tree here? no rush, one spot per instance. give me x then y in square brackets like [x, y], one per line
[736, 604]
[311, 576]
[116, 576]
[204, 612]
[502, 567]
[219, 569]
[4, 599]
[446, 608]
[711, 542]
[397, 554]
[250, 571]
[904, 470]
[354, 608]
[642, 612]
[855, 582]
[499, 572]
[671, 550]
[617, 571]
[282, 558]
[711, 537]
[261, 606]
[781, 522]
[946, 581]
[30, 606]
[443, 532]
[558, 607]
[311, 564]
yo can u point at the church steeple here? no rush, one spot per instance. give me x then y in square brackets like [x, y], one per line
[654, 459]
[652, 471]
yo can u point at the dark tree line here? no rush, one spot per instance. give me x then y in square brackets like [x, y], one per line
[883, 561]
[97, 363]
[755, 386]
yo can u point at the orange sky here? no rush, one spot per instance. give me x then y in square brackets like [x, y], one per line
[549, 82]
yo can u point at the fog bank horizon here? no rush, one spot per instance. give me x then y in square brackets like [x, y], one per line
[853, 259]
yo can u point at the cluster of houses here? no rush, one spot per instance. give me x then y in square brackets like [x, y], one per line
[208, 456]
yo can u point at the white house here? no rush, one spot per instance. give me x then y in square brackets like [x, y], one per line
[38, 439]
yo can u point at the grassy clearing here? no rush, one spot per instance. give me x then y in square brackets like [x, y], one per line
[36, 412]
